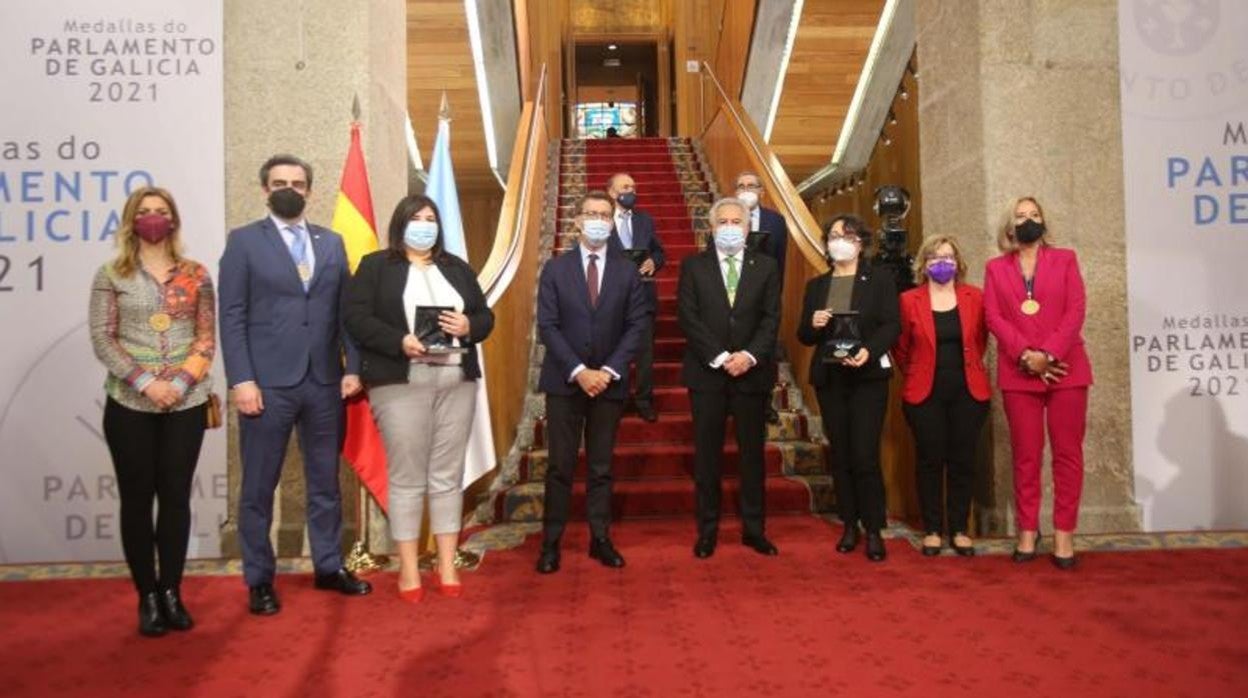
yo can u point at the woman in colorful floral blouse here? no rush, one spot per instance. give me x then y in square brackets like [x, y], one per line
[152, 323]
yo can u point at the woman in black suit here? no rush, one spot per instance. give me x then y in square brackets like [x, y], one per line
[853, 390]
[422, 394]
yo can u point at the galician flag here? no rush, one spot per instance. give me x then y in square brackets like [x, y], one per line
[355, 223]
[441, 188]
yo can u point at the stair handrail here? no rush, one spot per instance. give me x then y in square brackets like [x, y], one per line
[803, 227]
[505, 254]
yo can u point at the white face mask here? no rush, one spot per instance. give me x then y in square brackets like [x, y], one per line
[748, 197]
[596, 231]
[842, 250]
[729, 239]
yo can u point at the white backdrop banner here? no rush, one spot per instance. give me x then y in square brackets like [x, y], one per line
[1184, 70]
[99, 98]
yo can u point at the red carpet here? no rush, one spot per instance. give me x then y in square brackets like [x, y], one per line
[810, 622]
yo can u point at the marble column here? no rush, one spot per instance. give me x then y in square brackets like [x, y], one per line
[1021, 98]
[292, 70]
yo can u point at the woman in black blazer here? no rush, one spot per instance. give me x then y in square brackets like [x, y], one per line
[852, 391]
[422, 391]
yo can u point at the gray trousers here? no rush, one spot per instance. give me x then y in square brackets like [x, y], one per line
[425, 425]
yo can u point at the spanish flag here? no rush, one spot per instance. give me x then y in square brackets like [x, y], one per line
[355, 222]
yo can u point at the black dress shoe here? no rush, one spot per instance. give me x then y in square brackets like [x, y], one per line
[704, 548]
[548, 561]
[773, 417]
[875, 547]
[151, 622]
[849, 540]
[262, 600]
[760, 545]
[1063, 563]
[343, 582]
[601, 550]
[646, 411]
[176, 616]
[1020, 556]
[964, 551]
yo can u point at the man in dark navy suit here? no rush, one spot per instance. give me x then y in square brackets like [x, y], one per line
[591, 313]
[634, 230]
[774, 244]
[282, 284]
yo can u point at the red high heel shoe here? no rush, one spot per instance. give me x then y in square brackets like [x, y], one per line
[413, 595]
[453, 591]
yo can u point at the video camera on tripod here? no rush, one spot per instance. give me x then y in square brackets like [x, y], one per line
[892, 203]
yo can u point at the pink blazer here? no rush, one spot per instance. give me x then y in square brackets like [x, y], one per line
[1056, 329]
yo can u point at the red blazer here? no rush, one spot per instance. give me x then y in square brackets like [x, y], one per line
[1056, 329]
[915, 351]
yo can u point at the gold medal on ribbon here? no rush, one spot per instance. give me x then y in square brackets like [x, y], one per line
[1030, 306]
[305, 273]
[160, 321]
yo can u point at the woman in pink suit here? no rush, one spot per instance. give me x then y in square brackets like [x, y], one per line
[1034, 304]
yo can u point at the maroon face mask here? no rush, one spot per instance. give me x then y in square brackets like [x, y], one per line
[153, 228]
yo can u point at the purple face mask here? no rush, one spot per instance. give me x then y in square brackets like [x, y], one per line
[942, 271]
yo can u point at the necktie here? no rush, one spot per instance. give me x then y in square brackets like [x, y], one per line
[732, 278]
[299, 253]
[626, 229]
[591, 276]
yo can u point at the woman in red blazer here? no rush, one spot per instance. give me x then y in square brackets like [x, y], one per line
[940, 353]
[1034, 302]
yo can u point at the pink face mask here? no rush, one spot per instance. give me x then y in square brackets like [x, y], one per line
[153, 228]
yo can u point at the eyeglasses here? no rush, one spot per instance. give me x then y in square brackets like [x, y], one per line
[749, 187]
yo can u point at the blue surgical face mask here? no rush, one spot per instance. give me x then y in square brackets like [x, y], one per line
[421, 235]
[596, 231]
[729, 239]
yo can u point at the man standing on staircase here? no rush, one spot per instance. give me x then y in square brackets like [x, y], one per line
[634, 230]
[774, 244]
[728, 304]
[591, 314]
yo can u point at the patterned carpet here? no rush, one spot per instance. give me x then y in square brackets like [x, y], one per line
[810, 622]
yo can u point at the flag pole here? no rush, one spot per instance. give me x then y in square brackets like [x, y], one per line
[361, 559]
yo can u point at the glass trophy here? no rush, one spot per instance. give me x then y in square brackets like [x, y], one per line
[430, 333]
[844, 340]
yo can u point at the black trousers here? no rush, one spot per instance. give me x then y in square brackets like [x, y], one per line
[853, 419]
[568, 418]
[946, 430]
[154, 455]
[643, 390]
[710, 416]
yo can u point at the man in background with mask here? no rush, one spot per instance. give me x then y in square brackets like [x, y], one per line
[591, 314]
[282, 282]
[728, 302]
[634, 230]
[774, 243]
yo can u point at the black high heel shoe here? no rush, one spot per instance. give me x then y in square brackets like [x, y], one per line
[1063, 563]
[849, 539]
[1020, 556]
[963, 551]
[930, 550]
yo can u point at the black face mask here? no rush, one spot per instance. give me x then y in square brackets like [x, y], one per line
[627, 200]
[1028, 231]
[287, 203]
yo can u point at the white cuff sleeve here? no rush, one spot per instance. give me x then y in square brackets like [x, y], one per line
[719, 360]
[578, 369]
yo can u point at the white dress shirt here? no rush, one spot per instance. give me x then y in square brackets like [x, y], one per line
[624, 227]
[754, 217]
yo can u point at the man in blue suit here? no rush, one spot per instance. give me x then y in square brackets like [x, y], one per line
[634, 230]
[591, 313]
[775, 241]
[281, 284]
